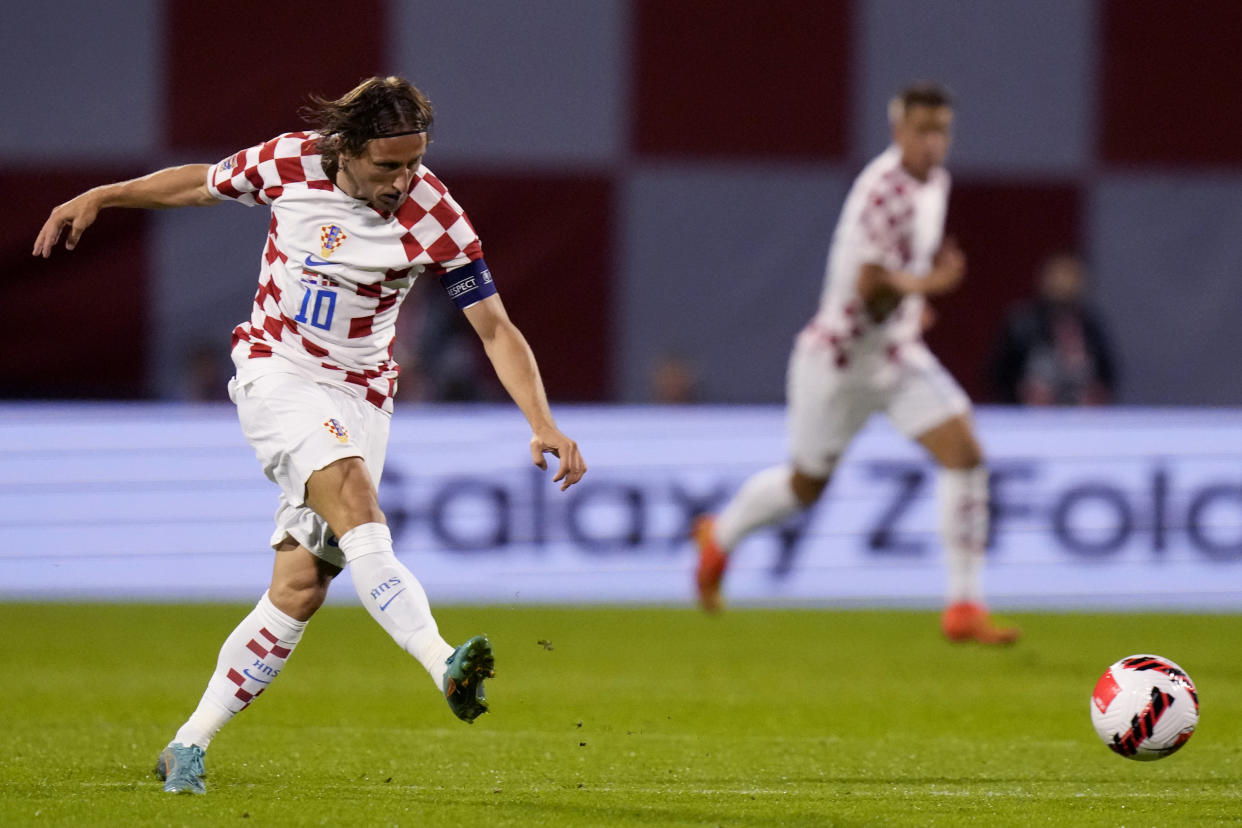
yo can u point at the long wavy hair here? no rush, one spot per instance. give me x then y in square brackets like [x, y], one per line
[376, 108]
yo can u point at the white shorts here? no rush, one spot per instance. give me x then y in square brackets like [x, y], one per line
[297, 426]
[828, 405]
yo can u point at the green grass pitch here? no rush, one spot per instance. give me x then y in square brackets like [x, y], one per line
[619, 717]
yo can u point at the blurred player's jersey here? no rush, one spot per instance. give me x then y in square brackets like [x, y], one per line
[893, 220]
[335, 270]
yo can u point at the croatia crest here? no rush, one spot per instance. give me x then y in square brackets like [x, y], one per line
[331, 236]
[338, 430]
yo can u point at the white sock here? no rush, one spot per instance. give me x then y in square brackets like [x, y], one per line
[765, 498]
[251, 658]
[962, 496]
[394, 597]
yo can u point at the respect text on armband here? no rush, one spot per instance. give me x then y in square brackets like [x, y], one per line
[466, 285]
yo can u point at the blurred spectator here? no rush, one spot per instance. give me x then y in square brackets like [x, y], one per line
[674, 380]
[1053, 350]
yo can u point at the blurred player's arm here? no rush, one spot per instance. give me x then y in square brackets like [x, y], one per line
[882, 289]
[514, 362]
[184, 186]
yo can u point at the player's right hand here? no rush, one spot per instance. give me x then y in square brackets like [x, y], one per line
[880, 295]
[882, 301]
[77, 214]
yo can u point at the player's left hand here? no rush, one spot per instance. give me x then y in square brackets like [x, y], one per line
[948, 267]
[553, 442]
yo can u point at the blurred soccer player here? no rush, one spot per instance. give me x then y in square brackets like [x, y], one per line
[355, 219]
[863, 352]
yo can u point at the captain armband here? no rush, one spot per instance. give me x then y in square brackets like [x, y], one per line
[468, 284]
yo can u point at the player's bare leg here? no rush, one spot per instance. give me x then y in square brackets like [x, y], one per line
[300, 580]
[962, 495]
[342, 494]
[766, 498]
[251, 658]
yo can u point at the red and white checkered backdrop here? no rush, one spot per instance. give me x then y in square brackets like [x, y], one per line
[647, 176]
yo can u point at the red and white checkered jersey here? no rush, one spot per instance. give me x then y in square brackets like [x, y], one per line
[335, 270]
[891, 219]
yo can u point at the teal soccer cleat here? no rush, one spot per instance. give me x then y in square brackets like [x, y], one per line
[463, 681]
[182, 769]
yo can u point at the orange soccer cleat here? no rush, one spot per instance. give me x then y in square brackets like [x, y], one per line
[712, 564]
[967, 621]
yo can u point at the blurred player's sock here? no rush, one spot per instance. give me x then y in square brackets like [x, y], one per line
[766, 498]
[251, 658]
[394, 597]
[962, 496]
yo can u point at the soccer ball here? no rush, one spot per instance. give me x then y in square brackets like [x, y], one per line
[1144, 707]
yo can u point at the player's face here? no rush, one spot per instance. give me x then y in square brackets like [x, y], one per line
[924, 134]
[385, 171]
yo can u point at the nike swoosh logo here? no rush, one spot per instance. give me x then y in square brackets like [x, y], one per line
[256, 678]
[384, 605]
[311, 261]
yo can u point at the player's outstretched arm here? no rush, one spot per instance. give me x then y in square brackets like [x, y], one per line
[184, 186]
[515, 365]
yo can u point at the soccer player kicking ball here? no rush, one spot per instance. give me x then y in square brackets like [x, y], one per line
[864, 352]
[356, 218]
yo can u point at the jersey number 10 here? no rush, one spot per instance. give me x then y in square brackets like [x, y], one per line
[321, 315]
